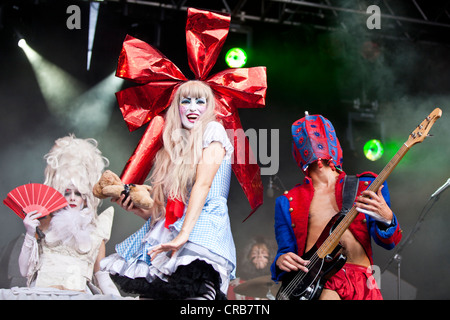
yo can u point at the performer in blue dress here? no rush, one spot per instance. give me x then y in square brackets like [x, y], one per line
[185, 250]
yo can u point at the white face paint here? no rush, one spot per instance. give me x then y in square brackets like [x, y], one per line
[259, 255]
[74, 198]
[190, 110]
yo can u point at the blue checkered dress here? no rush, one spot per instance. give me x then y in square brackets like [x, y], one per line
[212, 229]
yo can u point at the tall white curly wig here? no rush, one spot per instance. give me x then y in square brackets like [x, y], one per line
[75, 163]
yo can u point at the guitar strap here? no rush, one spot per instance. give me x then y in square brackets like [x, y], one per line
[349, 192]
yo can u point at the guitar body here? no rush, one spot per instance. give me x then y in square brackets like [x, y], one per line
[300, 285]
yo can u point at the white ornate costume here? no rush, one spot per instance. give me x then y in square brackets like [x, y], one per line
[68, 267]
[61, 270]
[61, 263]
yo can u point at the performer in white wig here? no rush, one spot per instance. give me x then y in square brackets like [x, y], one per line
[63, 260]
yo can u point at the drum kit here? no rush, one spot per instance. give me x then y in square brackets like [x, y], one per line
[261, 287]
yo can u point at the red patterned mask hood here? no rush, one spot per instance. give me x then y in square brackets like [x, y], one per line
[314, 138]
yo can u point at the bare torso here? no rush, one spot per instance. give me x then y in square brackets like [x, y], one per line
[323, 208]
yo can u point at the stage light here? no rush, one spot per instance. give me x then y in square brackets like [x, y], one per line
[93, 16]
[59, 89]
[365, 134]
[90, 113]
[236, 58]
[373, 149]
[68, 100]
[22, 43]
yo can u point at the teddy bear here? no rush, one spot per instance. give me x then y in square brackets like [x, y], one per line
[110, 185]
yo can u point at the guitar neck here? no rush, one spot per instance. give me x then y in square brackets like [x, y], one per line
[333, 239]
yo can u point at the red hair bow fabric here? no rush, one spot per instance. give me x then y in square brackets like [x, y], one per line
[159, 77]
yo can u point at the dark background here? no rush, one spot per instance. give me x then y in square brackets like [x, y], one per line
[319, 58]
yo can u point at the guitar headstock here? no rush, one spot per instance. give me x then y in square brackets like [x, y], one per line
[422, 129]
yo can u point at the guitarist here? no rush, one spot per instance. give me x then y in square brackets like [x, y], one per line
[302, 213]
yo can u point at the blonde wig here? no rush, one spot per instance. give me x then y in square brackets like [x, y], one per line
[75, 163]
[175, 165]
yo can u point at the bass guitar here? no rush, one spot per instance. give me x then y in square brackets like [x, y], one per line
[325, 257]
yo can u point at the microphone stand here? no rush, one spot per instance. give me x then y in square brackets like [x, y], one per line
[273, 186]
[397, 256]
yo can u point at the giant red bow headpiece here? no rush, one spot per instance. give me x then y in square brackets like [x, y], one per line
[233, 88]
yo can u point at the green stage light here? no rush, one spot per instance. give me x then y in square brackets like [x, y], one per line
[373, 149]
[236, 58]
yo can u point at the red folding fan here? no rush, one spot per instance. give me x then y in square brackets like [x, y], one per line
[35, 196]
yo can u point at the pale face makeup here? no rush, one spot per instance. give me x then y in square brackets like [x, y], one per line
[259, 255]
[191, 109]
[74, 198]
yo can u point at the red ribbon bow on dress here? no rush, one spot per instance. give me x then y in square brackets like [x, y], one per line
[174, 211]
[159, 77]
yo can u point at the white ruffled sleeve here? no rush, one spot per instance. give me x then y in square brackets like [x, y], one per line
[216, 132]
[29, 258]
